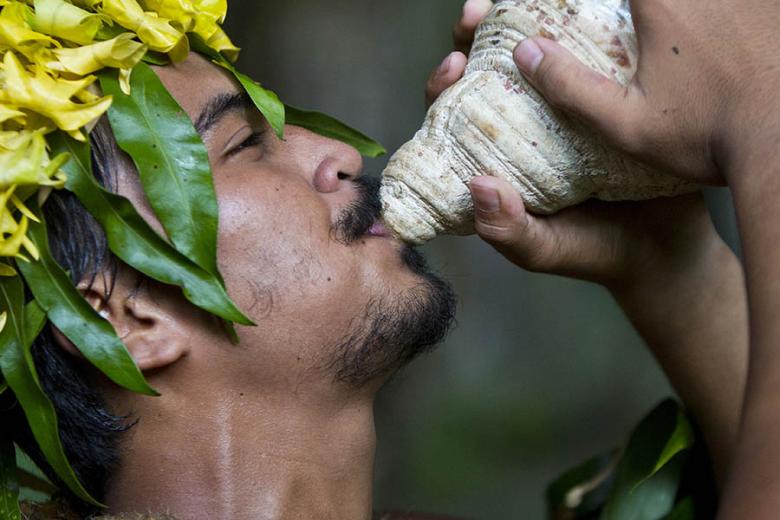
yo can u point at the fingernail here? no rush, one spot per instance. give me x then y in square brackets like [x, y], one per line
[444, 68]
[486, 199]
[528, 56]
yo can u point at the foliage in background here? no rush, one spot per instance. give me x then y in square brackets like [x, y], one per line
[646, 480]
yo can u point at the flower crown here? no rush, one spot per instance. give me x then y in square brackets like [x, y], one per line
[55, 53]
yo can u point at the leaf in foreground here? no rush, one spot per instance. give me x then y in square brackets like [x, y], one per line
[18, 368]
[9, 485]
[328, 126]
[649, 472]
[171, 159]
[76, 319]
[133, 241]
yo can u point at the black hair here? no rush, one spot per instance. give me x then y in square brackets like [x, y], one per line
[88, 430]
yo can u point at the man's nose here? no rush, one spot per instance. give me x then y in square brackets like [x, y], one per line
[338, 165]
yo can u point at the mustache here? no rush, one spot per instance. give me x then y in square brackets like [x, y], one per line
[357, 218]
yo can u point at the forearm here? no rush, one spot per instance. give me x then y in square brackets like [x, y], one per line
[753, 489]
[693, 316]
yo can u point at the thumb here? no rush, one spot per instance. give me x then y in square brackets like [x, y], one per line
[501, 220]
[566, 83]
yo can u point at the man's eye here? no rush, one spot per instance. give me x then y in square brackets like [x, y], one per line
[254, 139]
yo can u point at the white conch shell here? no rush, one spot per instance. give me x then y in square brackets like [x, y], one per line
[493, 122]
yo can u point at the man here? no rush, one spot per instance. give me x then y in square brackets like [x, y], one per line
[281, 425]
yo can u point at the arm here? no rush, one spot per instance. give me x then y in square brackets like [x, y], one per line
[675, 279]
[694, 320]
[706, 111]
[754, 487]
[672, 275]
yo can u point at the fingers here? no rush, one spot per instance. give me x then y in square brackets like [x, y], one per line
[463, 31]
[450, 71]
[501, 220]
[618, 112]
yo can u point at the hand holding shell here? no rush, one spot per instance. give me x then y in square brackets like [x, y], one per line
[492, 122]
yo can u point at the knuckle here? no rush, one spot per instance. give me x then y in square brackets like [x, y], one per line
[495, 234]
[559, 85]
[632, 132]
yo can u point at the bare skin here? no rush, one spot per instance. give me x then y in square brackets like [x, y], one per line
[703, 106]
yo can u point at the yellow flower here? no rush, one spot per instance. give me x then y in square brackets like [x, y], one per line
[13, 233]
[24, 160]
[16, 33]
[215, 8]
[11, 114]
[64, 20]
[156, 32]
[121, 52]
[50, 97]
[199, 16]
[180, 11]
[220, 42]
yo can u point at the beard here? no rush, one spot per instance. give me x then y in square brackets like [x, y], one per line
[393, 330]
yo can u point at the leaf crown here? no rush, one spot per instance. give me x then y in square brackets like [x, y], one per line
[55, 53]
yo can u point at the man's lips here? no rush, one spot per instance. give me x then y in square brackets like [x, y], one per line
[378, 230]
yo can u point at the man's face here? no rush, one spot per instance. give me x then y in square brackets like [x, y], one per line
[299, 249]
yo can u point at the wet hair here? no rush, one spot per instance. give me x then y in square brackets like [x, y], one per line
[88, 430]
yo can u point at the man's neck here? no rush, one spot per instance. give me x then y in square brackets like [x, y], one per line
[240, 458]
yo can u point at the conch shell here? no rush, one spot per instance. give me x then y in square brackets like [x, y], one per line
[492, 122]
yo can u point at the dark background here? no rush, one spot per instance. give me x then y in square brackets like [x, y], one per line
[541, 372]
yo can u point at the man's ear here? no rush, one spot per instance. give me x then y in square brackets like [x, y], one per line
[148, 329]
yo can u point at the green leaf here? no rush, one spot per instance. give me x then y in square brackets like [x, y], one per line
[76, 319]
[172, 162]
[132, 239]
[9, 485]
[3, 387]
[682, 438]
[156, 58]
[277, 115]
[34, 485]
[583, 489]
[649, 472]
[266, 101]
[12, 302]
[327, 126]
[18, 368]
[684, 510]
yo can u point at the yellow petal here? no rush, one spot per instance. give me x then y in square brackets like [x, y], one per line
[49, 96]
[90, 5]
[124, 80]
[9, 246]
[31, 248]
[220, 42]
[5, 270]
[180, 11]
[154, 31]
[64, 20]
[24, 210]
[10, 114]
[215, 8]
[24, 161]
[15, 31]
[121, 52]
[4, 315]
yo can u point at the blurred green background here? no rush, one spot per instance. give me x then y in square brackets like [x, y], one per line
[540, 372]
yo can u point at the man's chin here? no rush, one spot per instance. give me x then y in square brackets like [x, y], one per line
[395, 330]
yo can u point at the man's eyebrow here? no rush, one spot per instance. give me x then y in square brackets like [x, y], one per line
[220, 106]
